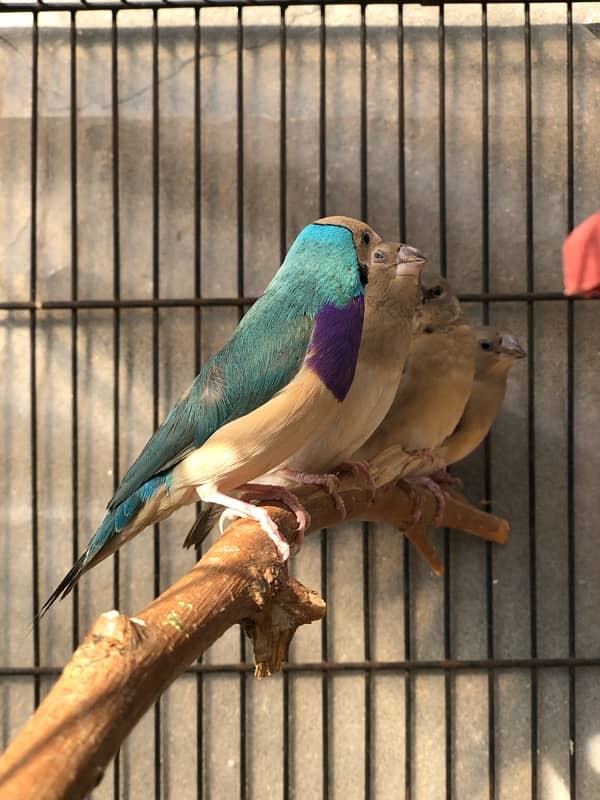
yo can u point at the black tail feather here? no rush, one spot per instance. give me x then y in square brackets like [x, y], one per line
[205, 522]
[65, 586]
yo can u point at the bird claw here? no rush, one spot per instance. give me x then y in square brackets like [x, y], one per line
[360, 469]
[266, 523]
[238, 508]
[330, 483]
[424, 480]
[274, 534]
[443, 477]
[415, 501]
[273, 492]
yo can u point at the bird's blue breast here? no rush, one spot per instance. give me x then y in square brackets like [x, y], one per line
[335, 343]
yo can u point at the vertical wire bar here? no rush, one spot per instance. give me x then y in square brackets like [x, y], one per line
[33, 363]
[198, 354]
[365, 525]
[156, 344]
[405, 543]
[240, 156]
[74, 296]
[571, 417]
[116, 273]
[116, 312]
[282, 248]
[408, 687]
[487, 449]
[442, 139]
[324, 548]
[401, 133]
[363, 114]
[531, 401]
[240, 287]
[444, 270]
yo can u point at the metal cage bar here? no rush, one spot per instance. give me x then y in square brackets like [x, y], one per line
[325, 684]
[156, 343]
[472, 665]
[37, 306]
[198, 343]
[114, 51]
[241, 284]
[571, 416]
[287, 764]
[33, 360]
[487, 455]
[531, 399]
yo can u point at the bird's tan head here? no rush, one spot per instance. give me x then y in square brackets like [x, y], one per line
[394, 276]
[497, 351]
[438, 308]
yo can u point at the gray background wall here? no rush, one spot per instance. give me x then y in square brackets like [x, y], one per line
[216, 735]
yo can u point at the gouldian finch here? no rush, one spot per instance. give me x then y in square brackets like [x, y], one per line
[279, 380]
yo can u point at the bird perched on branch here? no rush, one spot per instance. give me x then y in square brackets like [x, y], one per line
[278, 381]
[497, 352]
[390, 300]
[434, 389]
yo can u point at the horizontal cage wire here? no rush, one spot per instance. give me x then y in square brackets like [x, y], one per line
[158, 160]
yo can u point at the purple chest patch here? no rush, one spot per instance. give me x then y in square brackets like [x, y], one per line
[334, 346]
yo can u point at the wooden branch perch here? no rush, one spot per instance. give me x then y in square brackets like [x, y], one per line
[125, 663]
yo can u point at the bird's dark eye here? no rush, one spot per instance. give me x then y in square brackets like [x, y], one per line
[433, 293]
[485, 345]
[366, 239]
[379, 255]
[428, 329]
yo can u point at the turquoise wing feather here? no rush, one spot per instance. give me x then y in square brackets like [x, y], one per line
[260, 359]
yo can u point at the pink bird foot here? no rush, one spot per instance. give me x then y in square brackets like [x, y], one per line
[263, 492]
[360, 469]
[443, 477]
[423, 480]
[238, 508]
[415, 501]
[331, 484]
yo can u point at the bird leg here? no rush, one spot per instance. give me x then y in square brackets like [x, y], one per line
[424, 480]
[238, 508]
[262, 491]
[329, 482]
[359, 469]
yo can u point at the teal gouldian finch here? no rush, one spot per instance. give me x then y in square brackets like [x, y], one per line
[279, 380]
[390, 301]
[497, 352]
[435, 386]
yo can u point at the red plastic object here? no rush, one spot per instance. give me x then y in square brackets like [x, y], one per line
[581, 258]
